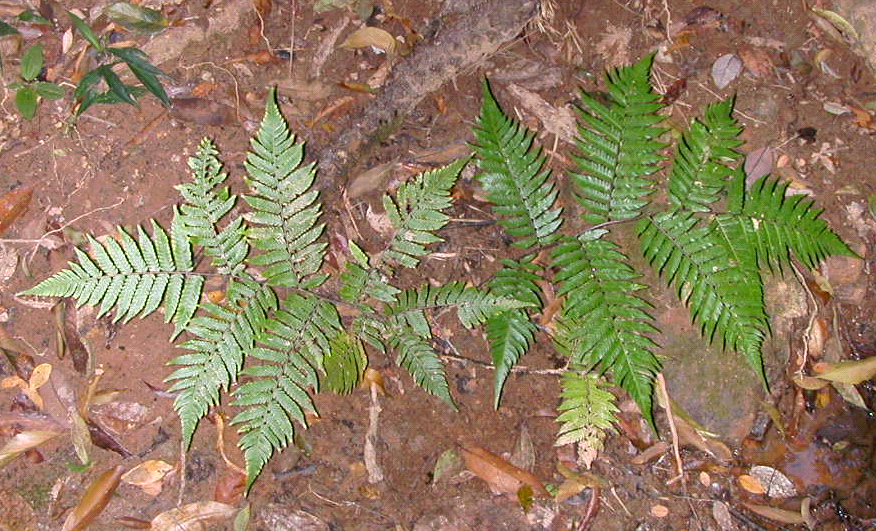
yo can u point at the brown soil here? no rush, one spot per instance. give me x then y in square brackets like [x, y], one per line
[118, 166]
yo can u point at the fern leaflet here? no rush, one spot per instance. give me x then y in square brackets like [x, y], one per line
[603, 323]
[587, 411]
[618, 151]
[473, 306]
[416, 213]
[286, 213]
[345, 363]
[513, 176]
[415, 354]
[292, 347]
[700, 168]
[724, 297]
[135, 277]
[510, 333]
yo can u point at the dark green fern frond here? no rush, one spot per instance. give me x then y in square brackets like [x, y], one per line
[511, 332]
[784, 224]
[345, 363]
[587, 411]
[223, 336]
[286, 212]
[416, 213]
[473, 306]
[723, 296]
[292, 346]
[618, 147]
[513, 176]
[603, 322]
[701, 168]
[415, 354]
[135, 277]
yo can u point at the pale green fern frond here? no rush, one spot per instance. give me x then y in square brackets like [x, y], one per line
[360, 281]
[587, 411]
[205, 205]
[287, 214]
[511, 332]
[416, 355]
[222, 337]
[513, 176]
[292, 346]
[473, 306]
[603, 323]
[618, 147]
[723, 296]
[786, 224]
[416, 213]
[135, 277]
[701, 166]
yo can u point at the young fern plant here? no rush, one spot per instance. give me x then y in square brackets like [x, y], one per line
[277, 337]
[714, 244]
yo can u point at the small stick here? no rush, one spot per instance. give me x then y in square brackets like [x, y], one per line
[662, 389]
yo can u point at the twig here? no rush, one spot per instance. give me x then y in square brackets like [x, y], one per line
[662, 389]
[621, 502]
[375, 473]
[812, 316]
[517, 369]
[182, 473]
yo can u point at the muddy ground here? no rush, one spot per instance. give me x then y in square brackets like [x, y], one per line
[802, 92]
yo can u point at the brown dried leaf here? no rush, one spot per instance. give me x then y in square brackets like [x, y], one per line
[230, 487]
[147, 472]
[849, 372]
[104, 439]
[725, 69]
[24, 441]
[189, 517]
[13, 204]
[775, 514]
[501, 475]
[756, 61]
[370, 36]
[698, 19]
[750, 484]
[96, 496]
[759, 163]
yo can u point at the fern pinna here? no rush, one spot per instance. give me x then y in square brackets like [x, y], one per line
[277, 328]
[714, 259]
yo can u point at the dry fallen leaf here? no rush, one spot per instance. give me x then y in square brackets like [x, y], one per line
[24, 441]
[777, 515]
[501, 475]
[759, 163]
[750, 484]
[775, 483]
[370, 36]
[96, 496]
[148, 475]
[190, 517]
[725, 69]
[13, 204]
[659, 511]
[756, 61]
[848, 372]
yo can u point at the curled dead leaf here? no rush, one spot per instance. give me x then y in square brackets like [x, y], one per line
[848, 372]
[190, 517]
[95, 499]
[24, 441]
[371, 36]
[501, 475]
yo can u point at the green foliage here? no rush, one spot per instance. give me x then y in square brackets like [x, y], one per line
[31, 89]
[274, 339]
[88, 92]
[714, 259]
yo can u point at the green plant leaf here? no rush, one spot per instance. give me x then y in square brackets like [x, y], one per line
[85, 31]
[618, 148]
[587, 411]
[416, 213]
[6, 29]
[136, 18]
[114, 82]
[49, 91]
[417, 356]
[345, 363]
[26, 100]
[144, 71]
[30, 15]
[32, 62]
[513, 176]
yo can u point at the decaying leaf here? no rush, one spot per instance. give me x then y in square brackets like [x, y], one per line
[189, 517]
[849, 372]
[448, 464]
[230, 487]
[756, 61]
[24, 441]
[575, 482]
[137, 18]
[80, 436]
[776, 484]
[523, 455]
[13, 204]
[148, 475]
[725, 69]
[777, 515]
[96, 496]
[759, 163]
[371, 36]
[501, 475]
[838, 22]
[750, 484]
[38, 377]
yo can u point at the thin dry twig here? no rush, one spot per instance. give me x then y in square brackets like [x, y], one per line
[662, 389]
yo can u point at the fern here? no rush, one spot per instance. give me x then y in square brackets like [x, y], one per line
[416, 354]
[587, 411]
[513, 177]
[619, 150]
[603, 323]
[416, 213]
[702, 164]
[285, 213]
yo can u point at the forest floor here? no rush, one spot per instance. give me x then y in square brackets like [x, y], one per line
[807, 104]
